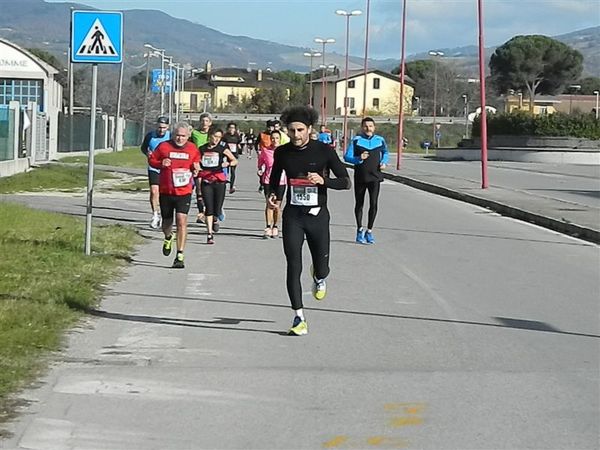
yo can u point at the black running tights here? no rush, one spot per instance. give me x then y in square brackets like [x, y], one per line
[213, 195]
[359, 195]
[296, 225]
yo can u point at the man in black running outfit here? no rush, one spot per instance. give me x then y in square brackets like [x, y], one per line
[307, 164]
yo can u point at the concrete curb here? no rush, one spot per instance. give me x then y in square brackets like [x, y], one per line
[571, 229]
[550, 223]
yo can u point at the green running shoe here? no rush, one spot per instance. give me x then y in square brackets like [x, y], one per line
[299, 327]
[167, 246]
[178, 262]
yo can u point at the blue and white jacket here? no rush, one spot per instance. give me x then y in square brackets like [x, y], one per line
[151, 141]
[367, 170]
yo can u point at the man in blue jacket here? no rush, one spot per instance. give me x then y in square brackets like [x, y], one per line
[151, 141]
[369, 154]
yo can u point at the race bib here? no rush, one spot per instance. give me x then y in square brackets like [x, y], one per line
[181, 177]
[304, 193]
[232, 147]
[210, 160]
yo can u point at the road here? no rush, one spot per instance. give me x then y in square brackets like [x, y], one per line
[458, 329]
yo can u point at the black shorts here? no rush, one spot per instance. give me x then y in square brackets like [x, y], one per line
[178, 203]
[153, 177]
[279, 192]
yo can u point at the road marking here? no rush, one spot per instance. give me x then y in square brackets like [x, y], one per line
[398, 422]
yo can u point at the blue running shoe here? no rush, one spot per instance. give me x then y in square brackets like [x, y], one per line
[221, 216]
[360, 237]
[369, 237]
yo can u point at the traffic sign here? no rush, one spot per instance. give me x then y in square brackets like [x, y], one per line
[97, 37]
[438, 134]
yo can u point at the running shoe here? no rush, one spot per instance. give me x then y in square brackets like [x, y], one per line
[167, 246]
[268, 233]
[210, 239]
[216, 227]
[369, 237]
[221, 215]
[319, 288]
[178, 262]
[232, 190]
[360, 237]
[299, 327]
[200, 218]
[275, 232]
[155, 222]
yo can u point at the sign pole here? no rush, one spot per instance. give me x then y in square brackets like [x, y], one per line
[90, 183]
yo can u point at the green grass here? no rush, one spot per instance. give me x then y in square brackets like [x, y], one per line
[46, 284]
[49, 177]
[131, 186]
[130, 157]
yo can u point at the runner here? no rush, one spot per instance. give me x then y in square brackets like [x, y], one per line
[369, 154]
[215, 156]
[307, 164]
[282, 131]
[265, 166]
[178, 160]
[200, 137]
[325, 135]
[250, 143]
[233, 141]
[263, 141]
[151, 141]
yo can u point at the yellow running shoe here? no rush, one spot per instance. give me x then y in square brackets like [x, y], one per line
[167, 245]
[319, 287]
[299, 327]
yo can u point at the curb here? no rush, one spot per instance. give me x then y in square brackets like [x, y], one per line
[571, 229]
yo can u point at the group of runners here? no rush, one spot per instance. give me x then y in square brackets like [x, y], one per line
[292, 163]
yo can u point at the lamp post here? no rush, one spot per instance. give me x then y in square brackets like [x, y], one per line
[597, 94]
[435, 55]
[312, 54]
[401, 99]
[170, 78]
[347, 15]
[484, 153]
[161, 52]
[323, 42]
[364, 108]
[466, 109]
[574, 89]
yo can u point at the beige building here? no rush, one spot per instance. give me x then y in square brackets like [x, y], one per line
[215, 89]
[549, 104]
[383, 93]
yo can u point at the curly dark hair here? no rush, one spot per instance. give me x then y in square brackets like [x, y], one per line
[304, 114]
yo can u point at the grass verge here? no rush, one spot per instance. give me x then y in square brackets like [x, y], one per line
[130, 157]
[47, 284]
[49, 177]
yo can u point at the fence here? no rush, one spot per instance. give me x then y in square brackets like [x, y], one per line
[74, 132]
[7, 133]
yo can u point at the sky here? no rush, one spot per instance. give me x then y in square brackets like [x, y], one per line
[431, 24]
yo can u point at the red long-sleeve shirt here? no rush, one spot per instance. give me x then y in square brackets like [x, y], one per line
[175, 179]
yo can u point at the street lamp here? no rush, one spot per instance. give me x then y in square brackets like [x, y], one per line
[312, 54]
[597, 94]
[364, 108]
[574, 89]
[170, 78]
[323, 42]
[161, 52]
[466, 109]
[347, 15]
[401, 99]
[483, 133]
[435, 55]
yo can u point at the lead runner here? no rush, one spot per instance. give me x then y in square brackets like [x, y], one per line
[307, 164]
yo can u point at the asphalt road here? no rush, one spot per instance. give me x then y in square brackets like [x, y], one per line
[458, 329]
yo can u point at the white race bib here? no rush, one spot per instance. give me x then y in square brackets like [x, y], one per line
[181, 177]
[210, 160]
[232, 147]
[305, 195]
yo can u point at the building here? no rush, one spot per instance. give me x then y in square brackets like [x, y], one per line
[216, 89]
[549, 104]
[383, 92]
[24, 78]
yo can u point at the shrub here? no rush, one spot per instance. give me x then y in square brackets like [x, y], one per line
[521, 123]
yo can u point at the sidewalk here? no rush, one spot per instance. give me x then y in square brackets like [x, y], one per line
[564, 198]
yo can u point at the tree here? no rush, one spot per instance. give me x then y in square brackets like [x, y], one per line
[49, 58]
[298, 86]
[588, 85]
[540, 64]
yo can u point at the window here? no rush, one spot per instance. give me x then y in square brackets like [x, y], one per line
[350, 102]
[376, 103]
[22, 91]
[376, 82]
[351, 84]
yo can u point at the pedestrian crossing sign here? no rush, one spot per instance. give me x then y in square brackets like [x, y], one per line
[97, 37]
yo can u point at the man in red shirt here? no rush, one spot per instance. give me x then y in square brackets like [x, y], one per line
[178, 161]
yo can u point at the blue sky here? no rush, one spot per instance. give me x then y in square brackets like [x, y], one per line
[431, 24]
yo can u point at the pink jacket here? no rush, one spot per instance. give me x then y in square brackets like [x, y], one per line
[265, 163]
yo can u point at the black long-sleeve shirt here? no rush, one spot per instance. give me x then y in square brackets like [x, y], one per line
[298, 162]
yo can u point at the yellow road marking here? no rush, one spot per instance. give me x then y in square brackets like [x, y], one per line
[335, 442]
[404, 421]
